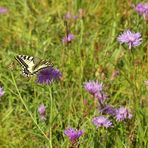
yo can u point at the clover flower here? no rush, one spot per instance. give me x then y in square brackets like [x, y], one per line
[42, 112]
[130, 38]
[73, 134]
[1, 92]
[48, 75]
[68, 38]
[123, 113]
[3, 10]
[101, 121]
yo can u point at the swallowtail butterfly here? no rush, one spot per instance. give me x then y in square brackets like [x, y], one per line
[31, 65]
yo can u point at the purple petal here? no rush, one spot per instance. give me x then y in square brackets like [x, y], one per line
[73, 134]
[101, 121]
[130, 38]
[3, 10]
[48, 75]
[123, 113]
[1, 92]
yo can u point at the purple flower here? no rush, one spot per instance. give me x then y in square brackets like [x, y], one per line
[142, 9]
[48, 75]
[3, 10]
[132, 39]
[108, 110]
[1, 92]
[146, 82]
[101, 96]
[101, 121]
[69, 16]
[75, 17]
[96, 89]
[122, 113]
[73, 134]
[93, 87]
[42, 112]
[68, 38]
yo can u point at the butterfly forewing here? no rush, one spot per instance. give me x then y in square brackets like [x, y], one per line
[31, 65]
[39, 65]
[26, 63]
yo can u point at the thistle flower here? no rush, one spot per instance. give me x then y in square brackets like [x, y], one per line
[48, 75]
[96, 89]
[1, 92]
[130, 38]
[42, 111]
[101, 96]
[68, 38]
[108, 110]
[123, 113]
[3, 10]
[101, 121]
[142, 9]
[93, 87]
[73, 134]
[69, 16]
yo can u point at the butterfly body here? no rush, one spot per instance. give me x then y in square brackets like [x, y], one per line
[31, 65]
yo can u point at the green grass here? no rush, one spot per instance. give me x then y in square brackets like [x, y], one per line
[36, 28]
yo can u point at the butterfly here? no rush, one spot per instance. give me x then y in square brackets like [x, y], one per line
[31, 65]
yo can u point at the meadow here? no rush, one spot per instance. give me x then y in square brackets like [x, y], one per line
[100, 97]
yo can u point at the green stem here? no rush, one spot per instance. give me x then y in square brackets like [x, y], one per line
[23, 102]
[50, 117]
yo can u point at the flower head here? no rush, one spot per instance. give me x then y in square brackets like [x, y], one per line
[108, 110]
[130, 38]
[142, 9]
[123, 113]
[93, 87]
[73, 134]
[68, 38]
[1, 92]
[69, 16]
[96, 89]
[101, 121]
[48, 75]
[3, 10]
[101, 96]
[42, 111]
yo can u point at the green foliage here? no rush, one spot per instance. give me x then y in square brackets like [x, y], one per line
[36, 28]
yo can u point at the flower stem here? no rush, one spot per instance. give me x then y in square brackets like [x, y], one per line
[23, 102]
[51, 105]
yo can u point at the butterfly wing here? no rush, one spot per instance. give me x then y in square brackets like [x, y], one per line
[31, 65]
[26, 63]
[40, 64]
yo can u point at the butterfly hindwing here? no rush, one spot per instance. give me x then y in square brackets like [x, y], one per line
[31, 65]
